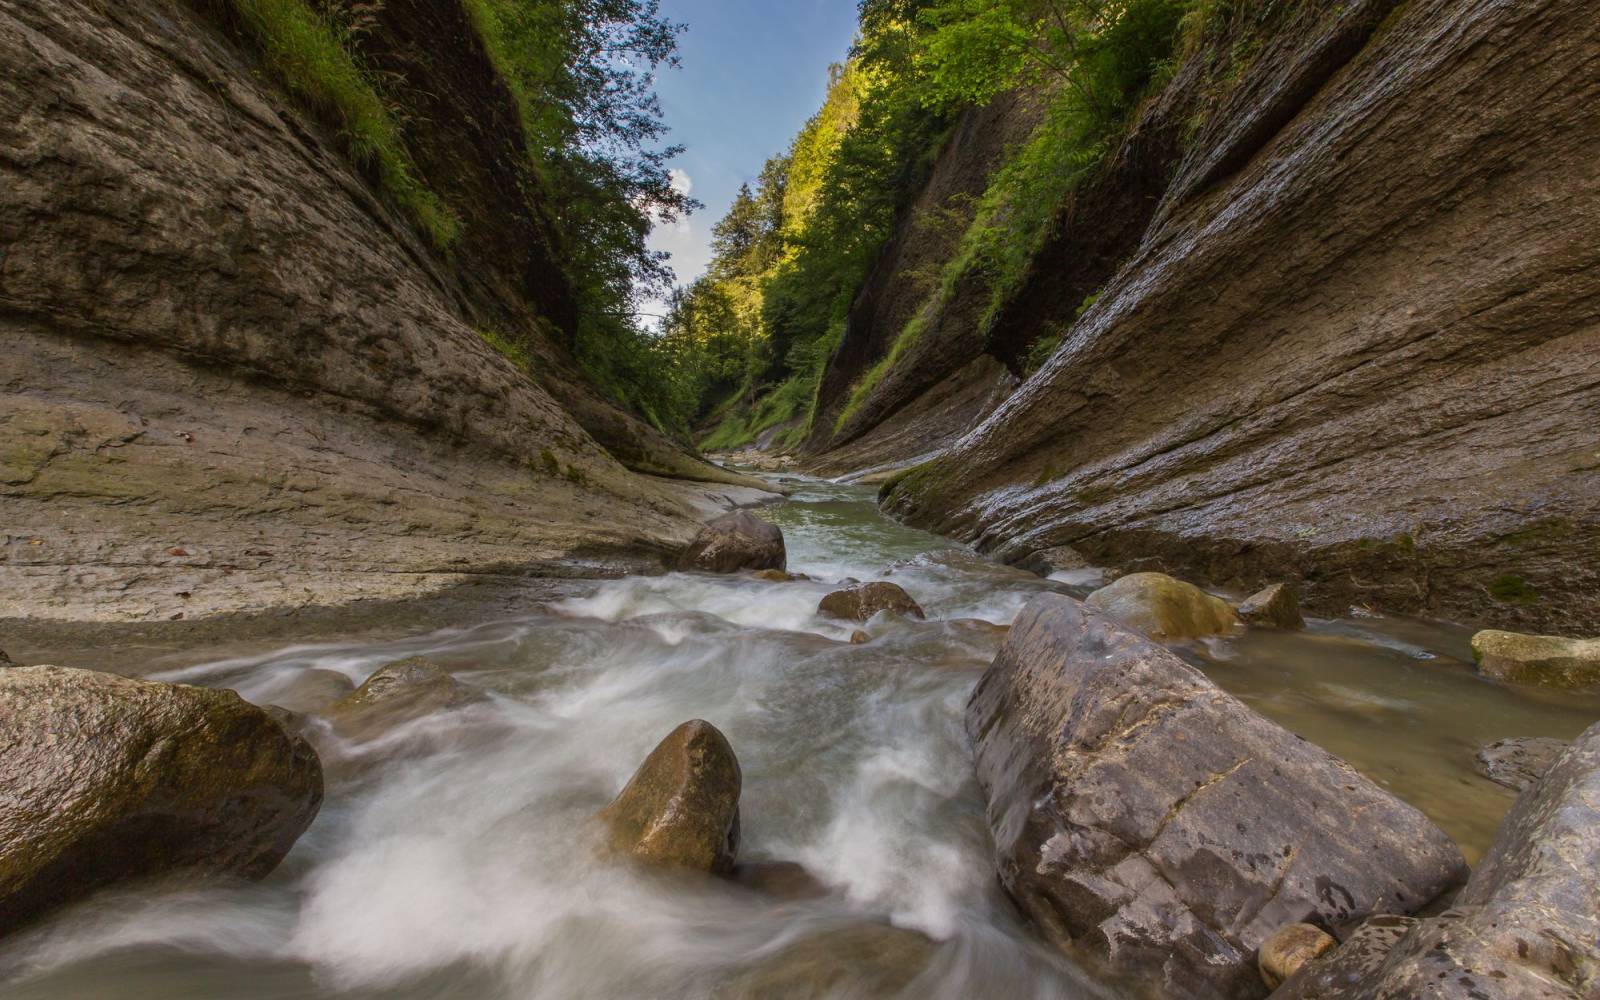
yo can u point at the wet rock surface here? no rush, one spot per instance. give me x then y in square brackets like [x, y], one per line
[398, 693]
[1277, 606]
[785, 880]
[734, 542]
[1164, 608]
[1543, 660]
[1520, 761]
[859, 959]
[1527, 924]
[1289, 949]
[681, 807]
[108, 779]
[1145, 816]
[861, 602]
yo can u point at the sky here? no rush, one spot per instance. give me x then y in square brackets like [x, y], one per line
[753, 71]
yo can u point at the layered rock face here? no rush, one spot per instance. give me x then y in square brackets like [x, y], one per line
[1358, 343]
[109, 779]
[1143, 816]
[235, 377]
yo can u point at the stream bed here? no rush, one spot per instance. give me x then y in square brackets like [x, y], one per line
[453, 856]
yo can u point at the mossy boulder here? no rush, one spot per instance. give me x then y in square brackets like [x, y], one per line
[860, 603]
[681, 808]
[109, 779]
[733, 542]
[400, 692]
[1544, 660]
[1163, 607]
[1277, 606]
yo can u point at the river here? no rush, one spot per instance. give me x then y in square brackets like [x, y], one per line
[453, 856]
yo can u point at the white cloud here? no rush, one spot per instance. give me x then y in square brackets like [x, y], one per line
[687, 244]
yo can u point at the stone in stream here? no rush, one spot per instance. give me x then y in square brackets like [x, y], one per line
[780, 879]
[1525, 927]
[315, 690]
[1520, 761]
[1145, 816]
[855, 960]
[1289, 949]
[861, 602]
[860, 637]
[400, 692]
[1546, 660]
[1164, 608]
[1276, 605]
[681, 808]
[109, 779]
[735, 541]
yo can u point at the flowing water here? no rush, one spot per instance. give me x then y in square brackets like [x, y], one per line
[453, 856]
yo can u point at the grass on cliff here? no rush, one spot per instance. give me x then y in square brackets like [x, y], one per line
[312, 59]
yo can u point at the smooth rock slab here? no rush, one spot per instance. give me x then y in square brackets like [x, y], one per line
[1163, 607]
[1545, 660]
[736, 541]
[860, 603]
[1527, 925]
[1142, 814]
[681, 808]
[105, 779]
[1520, 761]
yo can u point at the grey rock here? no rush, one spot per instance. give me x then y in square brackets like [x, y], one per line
[1143, 815]
[736, 541]
[1276, 605]
[107, 779]
[1520, 761]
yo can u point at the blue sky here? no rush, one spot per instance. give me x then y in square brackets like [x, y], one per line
[753, 72]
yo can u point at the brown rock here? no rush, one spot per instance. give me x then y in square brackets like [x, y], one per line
[780, 879]
[861, 602]
[857, 960]
[1544, 660]
[400, 692]
[859, 638]
[1276, 605]
[774, 576]
[107, 779]
[315, 690]
[735, 541]
[1142, 814]
[681, 808]
[1164, 608]
[1288, 949]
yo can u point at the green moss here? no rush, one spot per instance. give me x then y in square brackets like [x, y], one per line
[512, 347]
[1510, 588]
[547, 458]
[1552, 529]
[311, 58]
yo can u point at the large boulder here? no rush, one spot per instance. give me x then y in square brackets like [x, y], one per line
[1142, 814]
[105, 779]
[400, 692]
[734, 542]
[1527, 925]
[681, 808]
[1547, 660]
[861, 602]
[1519, 761]
[1164, 608]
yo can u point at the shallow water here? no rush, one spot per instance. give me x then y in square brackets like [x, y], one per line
[453, 857]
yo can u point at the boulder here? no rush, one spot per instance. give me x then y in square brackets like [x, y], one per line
[315, 690]
[861, 602]
[107, 779]
[400, 692]
[681, 808]
[1145, 816]
[1164, 608]
[734, 542]
[1520, 761]
[1527, 924]
[1277, 606]
[1547, 660]
[855, 960]
[1289, 949]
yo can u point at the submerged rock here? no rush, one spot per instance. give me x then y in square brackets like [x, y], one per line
[858, 960]
[400, 692]
[1520, 761]
[861, 602]
[1547, 660]
[1142, 814]
[1276, 605]
[860, 637]
[681, 808]
[1164, 608]
[1527, 924]
[780, 879]
[735, 541]
[108, 779]
[1289, 949]
[315, 690]
[775, 576]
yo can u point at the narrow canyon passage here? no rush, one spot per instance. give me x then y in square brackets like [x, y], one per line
[454, 857]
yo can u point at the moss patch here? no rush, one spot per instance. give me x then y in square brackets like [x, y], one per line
[1509, 588]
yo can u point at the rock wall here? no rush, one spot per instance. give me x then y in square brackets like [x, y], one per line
[1358, 343]
[236, 377]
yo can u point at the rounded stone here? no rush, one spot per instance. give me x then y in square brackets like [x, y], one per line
[681, 807]
[1163, 607]
[1288, 949]
[860, 603]
[733, 542]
